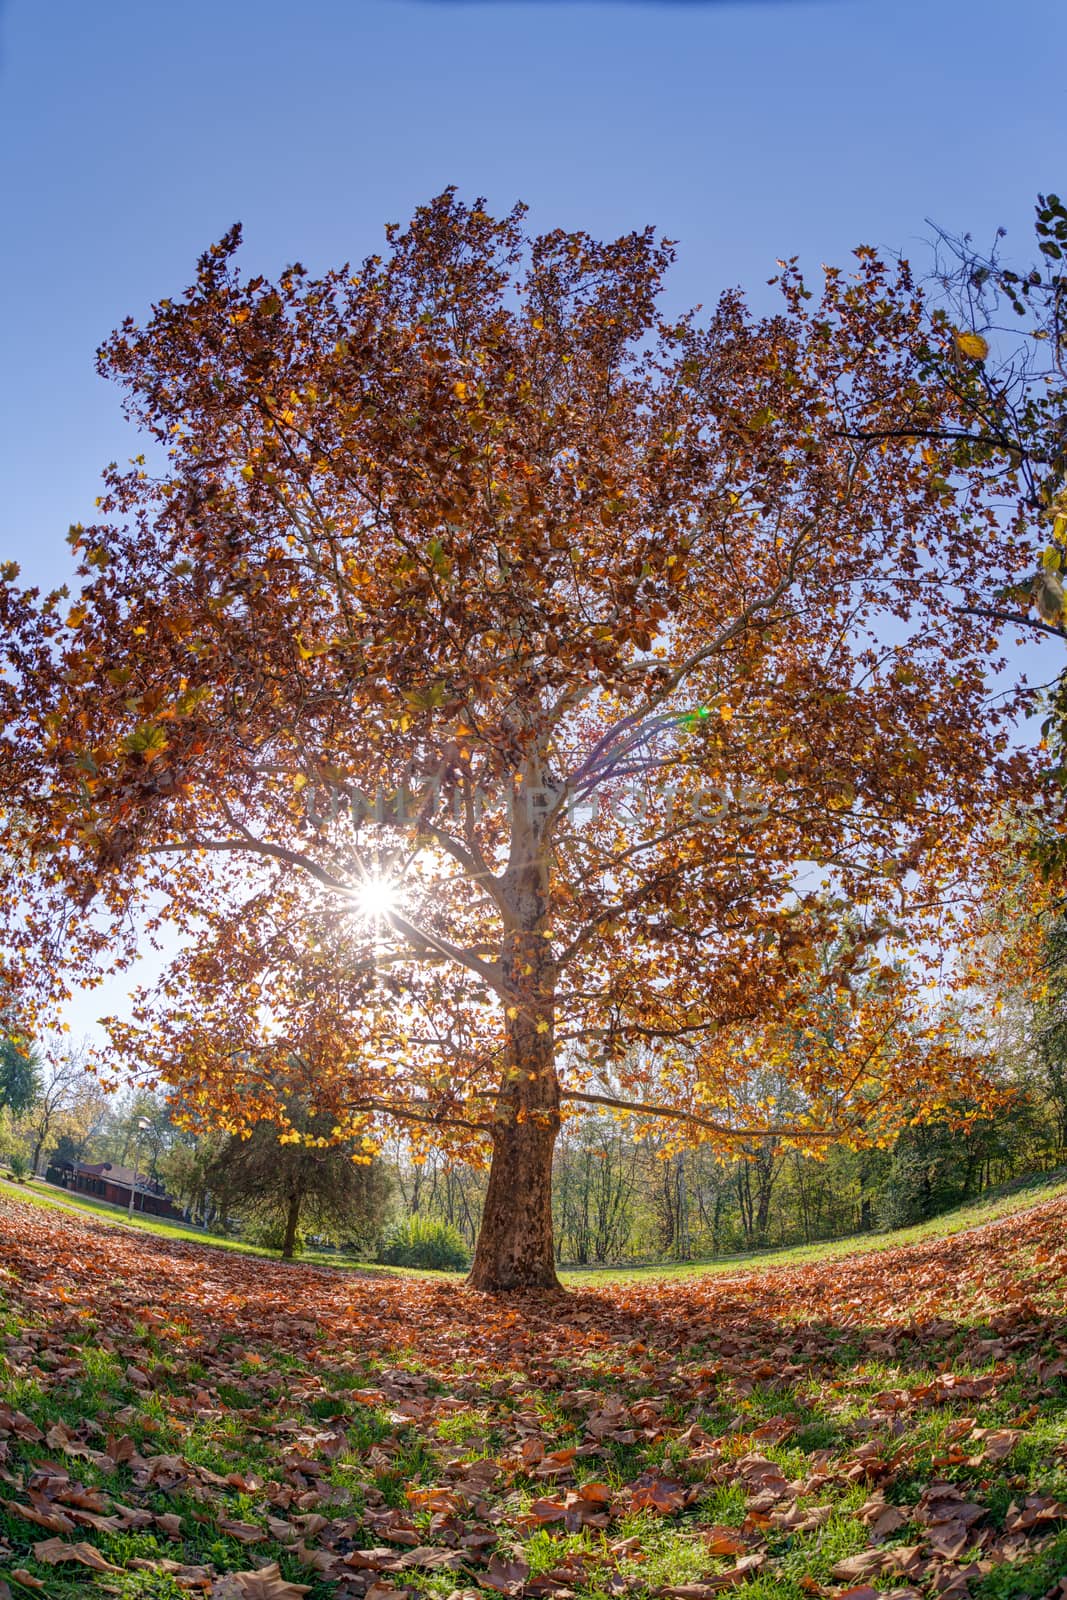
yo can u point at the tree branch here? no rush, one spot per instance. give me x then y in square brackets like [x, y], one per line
[672, 1113]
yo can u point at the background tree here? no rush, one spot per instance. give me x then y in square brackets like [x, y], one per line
[62, 1085]
[186, 1172]
[505, 690]
[282, 1179]
[20, 1069]
[595, 1179]
[1006, 361]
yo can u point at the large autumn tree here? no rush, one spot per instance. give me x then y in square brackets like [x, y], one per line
[516, 699]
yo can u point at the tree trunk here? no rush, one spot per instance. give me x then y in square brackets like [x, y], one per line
[291, 1219]
[514, 1249]
[515, 1244]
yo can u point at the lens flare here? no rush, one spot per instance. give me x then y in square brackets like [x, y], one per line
[376, 898]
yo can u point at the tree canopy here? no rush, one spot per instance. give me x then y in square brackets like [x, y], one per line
[519, 699]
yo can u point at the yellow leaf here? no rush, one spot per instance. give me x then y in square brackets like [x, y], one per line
[972, 345]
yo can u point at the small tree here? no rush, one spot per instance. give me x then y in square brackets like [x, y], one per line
[186, 1172]
[296, 1174]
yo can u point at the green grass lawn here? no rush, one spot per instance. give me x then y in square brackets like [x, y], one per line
[39, 1193]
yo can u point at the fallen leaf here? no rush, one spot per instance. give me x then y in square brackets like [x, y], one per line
[53, 1551]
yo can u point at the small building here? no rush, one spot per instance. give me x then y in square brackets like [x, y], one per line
[104, 1180]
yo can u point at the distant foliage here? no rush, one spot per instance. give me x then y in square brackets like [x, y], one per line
[421, 1241]
[20, 1167]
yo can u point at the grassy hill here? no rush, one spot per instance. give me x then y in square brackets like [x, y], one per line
[176, 1419]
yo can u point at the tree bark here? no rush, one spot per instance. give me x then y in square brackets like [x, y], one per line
[515, 1246]
[291, 1220]
[515, 1243]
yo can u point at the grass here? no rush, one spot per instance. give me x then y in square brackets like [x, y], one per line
[975, 1214]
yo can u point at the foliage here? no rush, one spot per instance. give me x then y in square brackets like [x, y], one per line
[421, 1241]
[524, 692]
[1010, 372]
[890, 1421]
[19, 1075]
[68, 1100]
[595, 1184]
[20, 1167]
[185, 1171]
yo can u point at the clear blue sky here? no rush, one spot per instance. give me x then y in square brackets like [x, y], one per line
[133, 132]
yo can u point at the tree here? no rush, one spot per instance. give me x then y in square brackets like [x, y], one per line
[282, 1178]
[505, 690]
[140, 1121]
[63, 1083]
[596, 1171]
[19, 1075]
[1007, 364]
[186, 1170]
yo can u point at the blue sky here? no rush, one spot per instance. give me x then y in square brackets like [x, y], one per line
[134, 132]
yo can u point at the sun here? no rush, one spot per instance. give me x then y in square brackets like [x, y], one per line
[377, 899]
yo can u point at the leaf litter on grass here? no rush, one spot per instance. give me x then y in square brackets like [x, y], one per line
[176, 1422]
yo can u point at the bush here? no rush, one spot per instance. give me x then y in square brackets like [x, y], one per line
[421, 1241]
[20, 1167]
[269, 1233]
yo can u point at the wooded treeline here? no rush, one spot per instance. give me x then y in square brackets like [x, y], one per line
[615, 1197]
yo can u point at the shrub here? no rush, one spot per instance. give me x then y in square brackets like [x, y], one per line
[269, 1233]
[20, 1167]
[421, 1241]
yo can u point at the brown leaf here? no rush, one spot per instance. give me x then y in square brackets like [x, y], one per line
[655, 1493]
[867, 1564]
[746, 1568]
[506, 1577]
[997, 1443]
[266, 1584]
[723, 1542]
[243, 1532]
[53, 1551]
[54, 1520]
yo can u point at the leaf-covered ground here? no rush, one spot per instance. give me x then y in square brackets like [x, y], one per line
[176, 1420]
